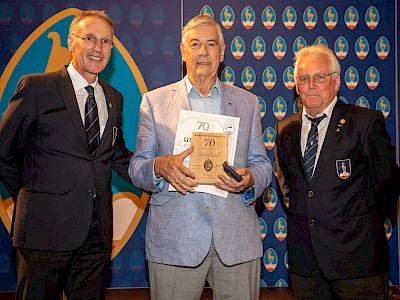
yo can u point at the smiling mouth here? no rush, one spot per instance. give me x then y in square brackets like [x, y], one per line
[96, 58]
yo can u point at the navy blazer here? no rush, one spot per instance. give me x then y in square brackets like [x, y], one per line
[46, 164]
[338, 221]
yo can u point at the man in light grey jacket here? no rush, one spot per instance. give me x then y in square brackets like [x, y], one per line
[191, 236]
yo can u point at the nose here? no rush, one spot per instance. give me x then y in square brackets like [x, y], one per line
[312, 82]
[203, 50]
[98, 45]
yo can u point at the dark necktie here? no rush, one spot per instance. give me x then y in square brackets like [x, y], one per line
[311, 146]
[92, 125]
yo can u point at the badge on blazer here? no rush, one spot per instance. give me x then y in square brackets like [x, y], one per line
[343, 168]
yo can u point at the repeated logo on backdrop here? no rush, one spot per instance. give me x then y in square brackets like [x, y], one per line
[261, 61]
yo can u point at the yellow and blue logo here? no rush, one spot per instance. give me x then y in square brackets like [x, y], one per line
[227, 17]
[310, 17]
[268, 17]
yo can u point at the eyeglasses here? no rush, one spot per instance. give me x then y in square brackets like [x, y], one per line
[92, 40]
[318, 78]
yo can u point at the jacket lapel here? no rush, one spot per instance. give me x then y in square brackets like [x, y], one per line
[228, 101]
[68, 96]
[295, 133]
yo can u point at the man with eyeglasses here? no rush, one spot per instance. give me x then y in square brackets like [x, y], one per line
[338, 175]
[60, 139]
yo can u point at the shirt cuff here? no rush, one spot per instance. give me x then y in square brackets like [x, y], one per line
[248, 195]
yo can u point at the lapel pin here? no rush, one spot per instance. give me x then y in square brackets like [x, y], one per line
[340, 124]
[110, 105]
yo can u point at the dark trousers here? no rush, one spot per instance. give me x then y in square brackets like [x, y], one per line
[82, 273]
[318, 287]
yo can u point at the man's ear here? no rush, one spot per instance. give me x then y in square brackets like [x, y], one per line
[183, 51]
[71, 46]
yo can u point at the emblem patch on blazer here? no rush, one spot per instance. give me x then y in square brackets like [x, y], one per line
[343, 168]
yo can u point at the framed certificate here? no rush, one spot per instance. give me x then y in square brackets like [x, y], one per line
[196, 122]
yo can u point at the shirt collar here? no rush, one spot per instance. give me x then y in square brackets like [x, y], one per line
[190, 86]
[78, 82]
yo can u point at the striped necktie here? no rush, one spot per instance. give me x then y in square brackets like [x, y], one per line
[92, 125]
[311, 146]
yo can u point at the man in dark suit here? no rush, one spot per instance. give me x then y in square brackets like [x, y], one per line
[340, 195]
[59, 175]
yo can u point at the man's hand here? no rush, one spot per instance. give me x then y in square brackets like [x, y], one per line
[171, 168]
[232, 186]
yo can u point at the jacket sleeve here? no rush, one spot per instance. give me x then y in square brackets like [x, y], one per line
[385, 173]
[15, 124]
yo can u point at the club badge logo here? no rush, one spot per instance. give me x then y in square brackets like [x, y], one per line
[310, 17]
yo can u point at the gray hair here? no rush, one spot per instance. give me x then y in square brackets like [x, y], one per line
[317, 50]
[202, 20]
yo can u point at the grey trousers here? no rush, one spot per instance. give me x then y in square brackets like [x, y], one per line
[240, 281]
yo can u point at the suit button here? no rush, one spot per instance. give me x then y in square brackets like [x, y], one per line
[90, 193]
[313, 222]
[310, 194]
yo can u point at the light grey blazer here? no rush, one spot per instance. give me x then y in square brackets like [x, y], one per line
[180, 227]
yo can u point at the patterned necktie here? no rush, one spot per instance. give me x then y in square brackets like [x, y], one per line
[92, 125]
[311, 146]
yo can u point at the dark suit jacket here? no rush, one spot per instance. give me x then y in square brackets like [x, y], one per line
[46, 165]
[339, 222]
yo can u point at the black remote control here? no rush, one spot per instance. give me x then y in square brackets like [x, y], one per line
[231, 172]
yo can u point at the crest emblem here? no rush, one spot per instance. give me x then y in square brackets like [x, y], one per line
[341, 47]
[289, 17]
[298, 44]
[343, 168]
[248, 17]
[362, 102]
[297, 105]
[258, 47]
[227, 17]
[268, 17]
[269, 78]
[248, 77]
[330, 17]
[372, 77]
[263, 228]
[372, 17]
[383, 105]
[279, 47]
[351, 17]
[321, 41]
[351, 78]
[288, 78]
[382, 47]
[361, 47]
[228, 75]
[280, 229]
[310, 17]
[207, 11]
[238, 47]
[270, 259]
[270, 198]
[269, 138]
[263, 106]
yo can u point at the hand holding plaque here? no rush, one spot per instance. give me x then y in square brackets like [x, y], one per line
[209, 154]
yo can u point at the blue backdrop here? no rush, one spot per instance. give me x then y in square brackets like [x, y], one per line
[261, 39]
